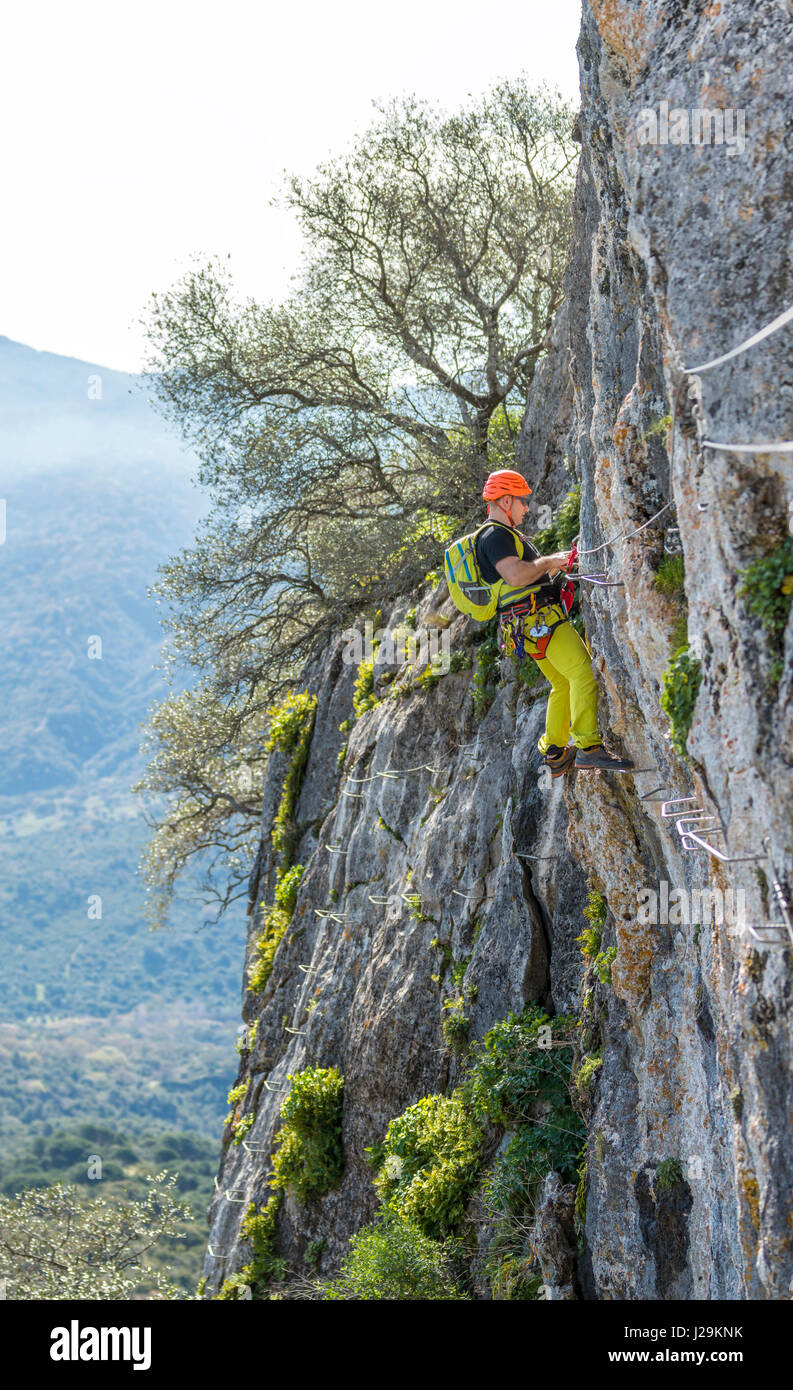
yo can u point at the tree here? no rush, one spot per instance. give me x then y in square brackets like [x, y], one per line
[216, 761]
[53, 1244]
[346, 433]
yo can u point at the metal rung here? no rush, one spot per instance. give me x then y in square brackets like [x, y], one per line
[255, 1148]
[213, 1256]
[698, 822]
[651, 796]
[769, 927]
[229, 1197]
[678, 801]
[690, 841]
[488, 897]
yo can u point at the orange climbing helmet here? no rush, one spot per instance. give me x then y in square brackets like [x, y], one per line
[505, 483]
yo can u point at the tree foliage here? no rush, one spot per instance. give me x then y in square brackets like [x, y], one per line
[54, 1244]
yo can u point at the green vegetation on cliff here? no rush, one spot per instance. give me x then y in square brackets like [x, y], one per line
[431, 1164]
[291, 729]
[307, 1162]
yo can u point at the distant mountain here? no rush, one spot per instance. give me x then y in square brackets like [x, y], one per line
[58, 411]
[97, 494]
[81, 546]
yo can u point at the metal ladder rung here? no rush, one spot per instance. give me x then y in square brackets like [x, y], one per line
[689, 841]
[775, 928]
[651, 796]
[697, 822]
[677, 801]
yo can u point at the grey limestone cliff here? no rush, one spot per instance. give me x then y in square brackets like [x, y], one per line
[680, 252]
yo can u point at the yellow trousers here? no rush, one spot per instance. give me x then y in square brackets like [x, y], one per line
[573, 701]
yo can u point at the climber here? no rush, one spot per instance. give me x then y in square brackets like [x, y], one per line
[529, 593]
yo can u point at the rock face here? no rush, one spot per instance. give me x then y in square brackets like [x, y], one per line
[680, 252]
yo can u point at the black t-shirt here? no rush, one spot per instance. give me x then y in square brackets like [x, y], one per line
[495, 543]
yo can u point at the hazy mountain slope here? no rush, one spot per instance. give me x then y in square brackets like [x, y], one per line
[97, 495]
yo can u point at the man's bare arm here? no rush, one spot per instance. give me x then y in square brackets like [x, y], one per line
[518, 572]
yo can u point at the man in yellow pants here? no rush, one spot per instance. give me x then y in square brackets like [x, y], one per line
[534, 623]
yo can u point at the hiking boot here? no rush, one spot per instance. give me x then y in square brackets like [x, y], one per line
[599, 759]
[559, 759]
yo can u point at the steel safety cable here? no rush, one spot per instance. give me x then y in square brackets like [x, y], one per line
[766, 332]
[628, 535]
[780, 446]
[767, 446]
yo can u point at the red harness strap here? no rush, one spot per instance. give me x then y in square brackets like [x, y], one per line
[542, 642]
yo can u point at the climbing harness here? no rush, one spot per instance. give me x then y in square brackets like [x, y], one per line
[513, 619]
[516, 640]
[542, 633]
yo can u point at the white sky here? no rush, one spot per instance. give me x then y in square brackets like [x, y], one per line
[134, 136]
